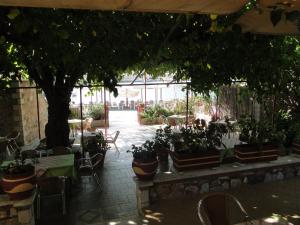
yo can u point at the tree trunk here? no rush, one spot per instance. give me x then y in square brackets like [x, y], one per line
[57, 129]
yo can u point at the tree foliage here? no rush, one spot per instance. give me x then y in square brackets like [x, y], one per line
[60, 48]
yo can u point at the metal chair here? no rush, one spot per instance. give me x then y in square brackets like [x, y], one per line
[112, 138]
[49, 187]
[88, 167]
[215, 209]
[12, 139]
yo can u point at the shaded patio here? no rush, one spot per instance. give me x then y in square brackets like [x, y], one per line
[116, 204]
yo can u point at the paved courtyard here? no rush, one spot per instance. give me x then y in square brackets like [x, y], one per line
[117, 201]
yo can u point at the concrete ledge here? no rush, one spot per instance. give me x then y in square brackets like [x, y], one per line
[225, 170]
[174, 184]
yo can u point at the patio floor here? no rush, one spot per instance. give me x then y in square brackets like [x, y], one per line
[117, 199]
[116, 204]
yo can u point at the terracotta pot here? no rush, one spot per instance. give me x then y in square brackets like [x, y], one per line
[246, 153]
[187, 161]
[19, 186]
[144, 171]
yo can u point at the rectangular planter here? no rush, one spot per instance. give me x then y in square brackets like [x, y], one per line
[296, 148]
[246, 153]
[155, 121]
[188, 161]
[100, 123]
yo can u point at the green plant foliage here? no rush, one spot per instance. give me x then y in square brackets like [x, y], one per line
[162, 138]
[144, 153]
[95, 145]
[155, 112]
[199, 139]
[258, 132]
[97, 112]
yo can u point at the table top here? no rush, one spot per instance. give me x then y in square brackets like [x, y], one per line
[74, 121]
[56, 161]
[60, 165]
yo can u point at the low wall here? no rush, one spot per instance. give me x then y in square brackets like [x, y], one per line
[175, 184]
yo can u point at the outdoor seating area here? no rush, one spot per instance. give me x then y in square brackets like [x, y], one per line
[147, 112]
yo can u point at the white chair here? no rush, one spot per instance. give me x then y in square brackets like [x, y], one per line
[112, 138]
[90, 165]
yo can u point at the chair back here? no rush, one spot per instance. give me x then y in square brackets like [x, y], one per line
[215, 208]
[97, 161]
[13, 135]
[116, 136]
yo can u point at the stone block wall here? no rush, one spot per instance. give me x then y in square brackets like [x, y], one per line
[18, 108]
[10, 112]
[176, 184]
[220, 183]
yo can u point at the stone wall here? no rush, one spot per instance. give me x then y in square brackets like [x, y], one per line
[192, 183]
[29, 112]
[221, 183]
[19, 110]
[10, 112]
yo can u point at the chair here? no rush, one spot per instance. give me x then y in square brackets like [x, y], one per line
[12, 139]
[51, 187]
[112, 138]
[215, 208]
[88, 167]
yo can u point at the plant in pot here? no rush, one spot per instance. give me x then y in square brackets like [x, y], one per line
[97, 113]
[162, 147]
[96, 144]
[144, 162]
[154, 115]
[19, 178]
[196, 147]
[259, 141]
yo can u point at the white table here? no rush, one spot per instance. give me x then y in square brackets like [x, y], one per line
[73, 123]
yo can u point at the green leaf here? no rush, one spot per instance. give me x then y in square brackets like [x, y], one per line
[276, 16]
[13, 13]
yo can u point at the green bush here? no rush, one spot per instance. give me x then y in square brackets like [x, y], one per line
[155, 112]
[97, 112]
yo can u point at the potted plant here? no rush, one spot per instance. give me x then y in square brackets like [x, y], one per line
[162, 147]
[259, 141]
[196, 147]
[162, 143]
[96, 144]
[19, 178]
[144, 162]
[99, 114]
[154, 115]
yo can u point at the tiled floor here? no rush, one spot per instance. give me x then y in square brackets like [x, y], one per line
[117, 201]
